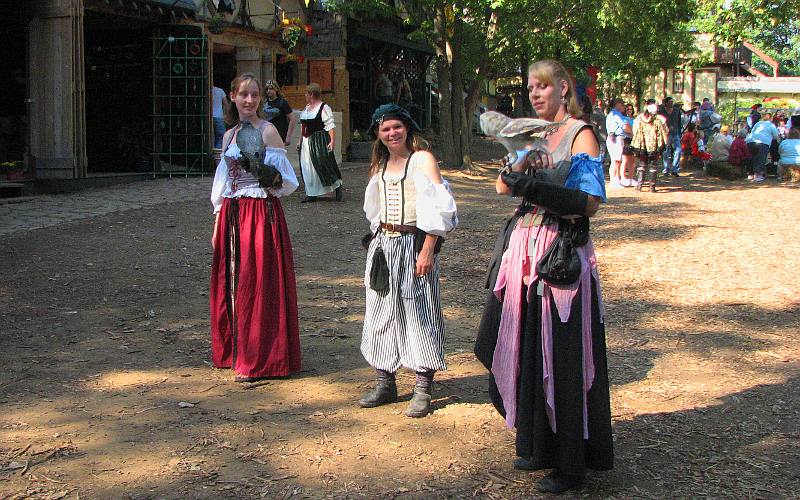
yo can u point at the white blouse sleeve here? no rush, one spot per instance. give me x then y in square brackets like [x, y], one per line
[220, 185]
[278, 160]
[372, 204]
[436, 208]
[327, 117]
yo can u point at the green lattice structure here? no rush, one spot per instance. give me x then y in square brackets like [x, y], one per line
[181, 124]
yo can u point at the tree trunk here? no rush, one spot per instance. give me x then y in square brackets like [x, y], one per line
[441, 43]
[460, 141]
[526, 110]
[637, 91]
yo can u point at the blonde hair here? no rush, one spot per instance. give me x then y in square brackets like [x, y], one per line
[232, 114]
[550, 72]
[314, 89]
[724, 129]
[380, 153]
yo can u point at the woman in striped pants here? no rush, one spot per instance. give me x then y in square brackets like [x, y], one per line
[410, 210]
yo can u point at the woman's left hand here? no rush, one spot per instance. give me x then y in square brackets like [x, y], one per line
[330, 146]
[424, 262]
[540, 160]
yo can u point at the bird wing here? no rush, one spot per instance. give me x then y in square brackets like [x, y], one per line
[526, 126]
[493, 122]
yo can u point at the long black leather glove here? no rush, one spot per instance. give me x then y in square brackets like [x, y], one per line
[558, 199]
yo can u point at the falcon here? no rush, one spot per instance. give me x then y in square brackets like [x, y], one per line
[517, 134]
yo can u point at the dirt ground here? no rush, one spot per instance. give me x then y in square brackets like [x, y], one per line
[106, 390]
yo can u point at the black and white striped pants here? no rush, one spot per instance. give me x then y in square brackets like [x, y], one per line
[403, 326]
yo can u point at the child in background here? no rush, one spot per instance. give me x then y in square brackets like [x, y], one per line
[700, 150]
[688, 142]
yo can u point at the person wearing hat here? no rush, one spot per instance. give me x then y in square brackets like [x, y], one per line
[650, 138]
[410, 209]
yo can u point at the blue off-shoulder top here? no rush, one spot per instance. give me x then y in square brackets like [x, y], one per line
[586, 174]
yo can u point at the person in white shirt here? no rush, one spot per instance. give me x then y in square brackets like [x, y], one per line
[321, 174]
[410, 209]
[721, 144]
[789, 152]
[617, 128]
[218, 105]
[758, 142]
[253, 297]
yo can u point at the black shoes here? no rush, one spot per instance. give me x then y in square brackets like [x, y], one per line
[385, 391]
[674, 174]
[522, 463]
[339, 194]
[557, 483]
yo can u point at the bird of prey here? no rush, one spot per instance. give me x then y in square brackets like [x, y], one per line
[517, 134]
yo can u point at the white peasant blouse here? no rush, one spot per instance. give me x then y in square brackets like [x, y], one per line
[435, 206]
[237, 183]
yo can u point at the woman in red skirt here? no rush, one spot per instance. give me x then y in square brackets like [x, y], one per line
[254, 327]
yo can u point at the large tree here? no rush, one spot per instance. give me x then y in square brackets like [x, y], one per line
[479, 39]
[771, 25]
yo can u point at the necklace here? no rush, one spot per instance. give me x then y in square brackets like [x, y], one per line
[554, 126]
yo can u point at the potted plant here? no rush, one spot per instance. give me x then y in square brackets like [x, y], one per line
[217, 23]
[360, 147]
[293, 31]
[12, 170]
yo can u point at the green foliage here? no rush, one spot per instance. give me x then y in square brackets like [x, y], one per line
[364, 9]
[771, 25]
[727, 110]
[644, 36]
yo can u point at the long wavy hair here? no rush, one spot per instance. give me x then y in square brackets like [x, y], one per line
[232, 114]
[552, 72]
[380, 153]
[274, 85]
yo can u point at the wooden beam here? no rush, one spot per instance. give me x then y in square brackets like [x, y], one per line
[775, 65]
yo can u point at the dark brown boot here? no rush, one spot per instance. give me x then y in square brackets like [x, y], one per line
[420, 404]
[385, 391]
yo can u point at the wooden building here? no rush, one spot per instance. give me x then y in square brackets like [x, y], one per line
[728, 78]
[108, 87]
[362, 51]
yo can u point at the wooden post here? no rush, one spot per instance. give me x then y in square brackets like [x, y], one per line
[341, 90]
[57, 115]
[248, 60]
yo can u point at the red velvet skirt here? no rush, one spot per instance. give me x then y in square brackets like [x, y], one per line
[253, 298]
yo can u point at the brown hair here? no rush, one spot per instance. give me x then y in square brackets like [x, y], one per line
[314, 89]
[232, 114]
[380, 153]
[274, 85]
[551, 71]
[794, 133]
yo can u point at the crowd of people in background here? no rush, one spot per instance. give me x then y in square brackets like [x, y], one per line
[635, 141]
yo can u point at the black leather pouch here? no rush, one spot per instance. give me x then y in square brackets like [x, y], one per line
[379, 272]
